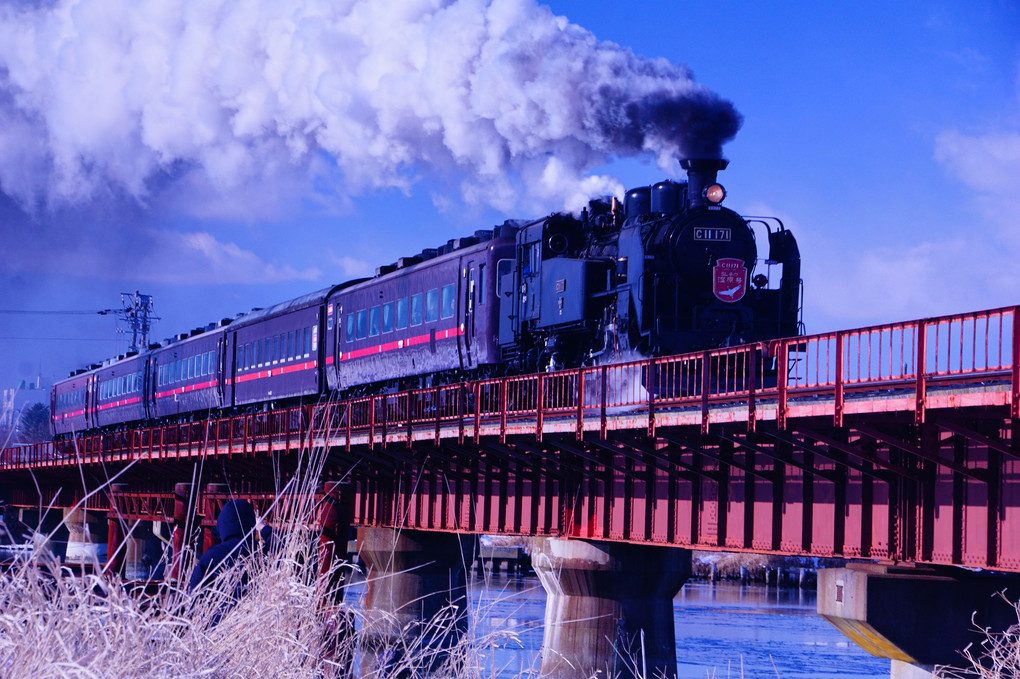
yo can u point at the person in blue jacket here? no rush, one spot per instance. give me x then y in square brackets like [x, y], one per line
[236, 529]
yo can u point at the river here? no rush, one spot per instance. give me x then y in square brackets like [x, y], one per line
[723, 631]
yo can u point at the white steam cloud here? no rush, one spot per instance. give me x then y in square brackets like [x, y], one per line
[124, 97]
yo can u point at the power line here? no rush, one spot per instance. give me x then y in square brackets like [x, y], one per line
[103, 312]
[68, 339]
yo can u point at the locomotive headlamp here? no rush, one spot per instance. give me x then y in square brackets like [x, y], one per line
[715, 193]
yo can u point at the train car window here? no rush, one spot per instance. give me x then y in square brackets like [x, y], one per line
[432, 305]
[449, 306]
[276, 349]
[401, 313]
[291, 350]
[350, 327]
[387, 317]
[311, 340]
[300, 341]
[417, 309]
[481, 284]
[374, 321]
[267, 351]
[363, 324]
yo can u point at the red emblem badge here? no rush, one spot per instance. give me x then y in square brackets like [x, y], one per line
[729, 279]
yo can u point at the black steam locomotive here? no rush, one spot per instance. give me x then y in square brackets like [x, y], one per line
[667, 272]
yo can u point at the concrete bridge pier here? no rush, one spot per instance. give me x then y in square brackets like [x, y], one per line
[416, 600]
[609, 607]
[85, 546]
[917, 617]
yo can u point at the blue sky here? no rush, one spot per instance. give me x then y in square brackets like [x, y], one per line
[885, 135]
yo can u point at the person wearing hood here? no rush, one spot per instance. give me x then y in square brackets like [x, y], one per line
[235, 527]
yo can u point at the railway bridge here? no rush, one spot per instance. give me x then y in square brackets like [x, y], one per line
[894, 446]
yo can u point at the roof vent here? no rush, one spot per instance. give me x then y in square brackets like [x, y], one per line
[404, 262]
[429, 253]
[385, 269]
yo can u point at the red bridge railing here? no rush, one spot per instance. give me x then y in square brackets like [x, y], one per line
[977, 350]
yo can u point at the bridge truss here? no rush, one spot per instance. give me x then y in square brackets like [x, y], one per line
[895, 442]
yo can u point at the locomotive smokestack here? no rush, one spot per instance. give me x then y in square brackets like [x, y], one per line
[701, 172]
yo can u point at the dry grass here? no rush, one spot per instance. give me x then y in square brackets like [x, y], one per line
[59, 623]
[997, 657]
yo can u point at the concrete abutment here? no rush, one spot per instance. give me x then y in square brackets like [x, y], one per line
[917, 617]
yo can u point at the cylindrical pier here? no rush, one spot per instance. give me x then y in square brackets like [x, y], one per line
[83, 546]
[609, 607]
[416, 601]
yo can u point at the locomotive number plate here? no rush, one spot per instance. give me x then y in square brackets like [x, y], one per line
[712, 234]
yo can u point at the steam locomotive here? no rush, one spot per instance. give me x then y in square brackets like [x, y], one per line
[669, 271]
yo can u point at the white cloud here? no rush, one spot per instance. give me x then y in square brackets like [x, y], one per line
[121, 96]
[989, 164]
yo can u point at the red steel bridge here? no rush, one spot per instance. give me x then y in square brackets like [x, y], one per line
[895, 442]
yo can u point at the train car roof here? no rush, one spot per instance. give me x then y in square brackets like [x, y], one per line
[367, 283]
[311, 299]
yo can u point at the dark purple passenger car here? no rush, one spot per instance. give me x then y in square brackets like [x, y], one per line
[275, 353]
[188, 374]
[426, 317]
[119, 393]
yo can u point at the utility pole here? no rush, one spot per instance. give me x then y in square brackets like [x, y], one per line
[137, 313]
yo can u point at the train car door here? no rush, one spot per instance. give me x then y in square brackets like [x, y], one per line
[469, 301]
[90, 401]
[148, 385]
[225, 367]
